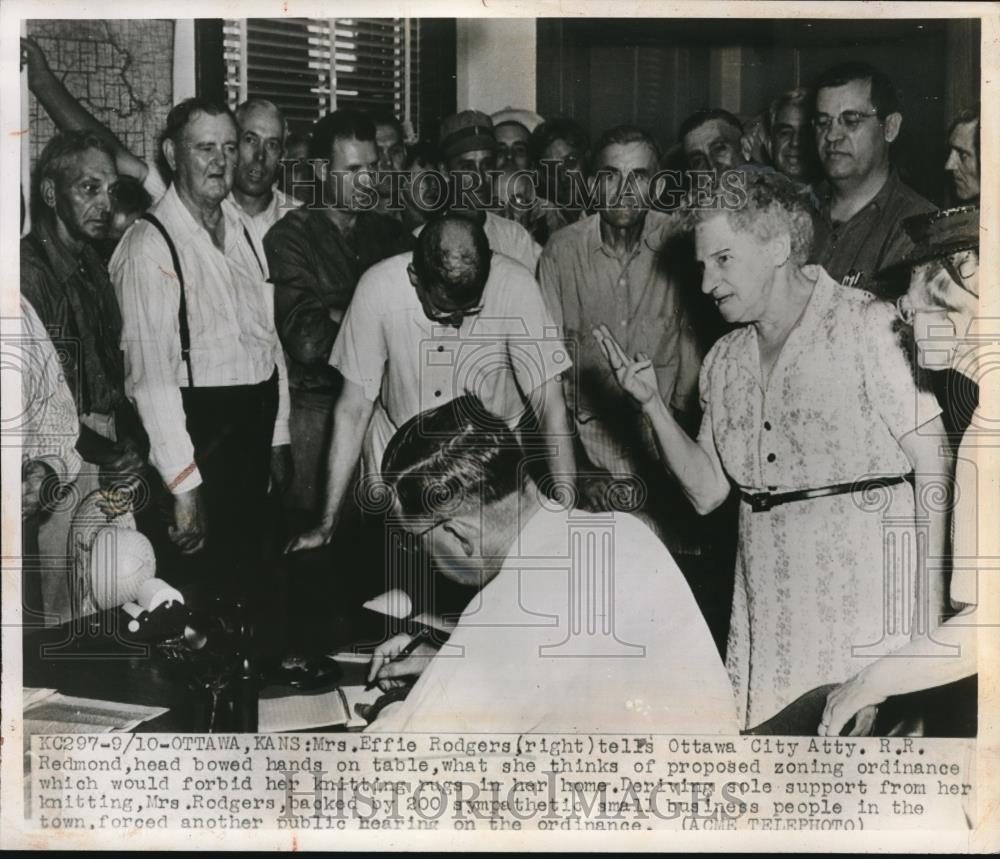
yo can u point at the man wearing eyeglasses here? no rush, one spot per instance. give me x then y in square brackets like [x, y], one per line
[863, 200]
[423, 328]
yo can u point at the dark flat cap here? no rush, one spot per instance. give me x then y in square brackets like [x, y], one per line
[466, 132]
[938, 234]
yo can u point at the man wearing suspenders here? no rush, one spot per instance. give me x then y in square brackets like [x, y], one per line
[202, 359]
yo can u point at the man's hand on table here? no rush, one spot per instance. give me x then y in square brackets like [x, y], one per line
[189, 529]
[391, 675]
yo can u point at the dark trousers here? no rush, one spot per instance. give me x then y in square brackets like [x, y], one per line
[231, 429]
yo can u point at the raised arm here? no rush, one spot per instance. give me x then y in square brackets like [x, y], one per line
[67, 112]
[693, 464]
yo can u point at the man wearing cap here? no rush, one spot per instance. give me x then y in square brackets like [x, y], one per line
[468, 151]
[863, 201]
[941, 307]
[316, 256]
[450, 318]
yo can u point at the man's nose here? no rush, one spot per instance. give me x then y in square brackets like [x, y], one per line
[384, 161]
[952, 162]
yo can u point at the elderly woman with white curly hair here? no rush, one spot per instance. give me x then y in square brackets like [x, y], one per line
[811, 414]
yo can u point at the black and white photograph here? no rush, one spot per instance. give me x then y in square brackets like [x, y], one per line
[502, 429]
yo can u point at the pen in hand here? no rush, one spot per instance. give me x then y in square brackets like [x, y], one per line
[422, 634]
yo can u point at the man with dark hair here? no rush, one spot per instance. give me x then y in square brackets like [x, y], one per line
[390, 139]
[66, 282]
[560, 149]
[203, 362]
[519, 184]
[450, 318]
[711, 141]
[467, 148]
[856, 119]
[607, 269]
[790, 143]
[261, 127]
[963, 161]
[316, 256]
[633, 655]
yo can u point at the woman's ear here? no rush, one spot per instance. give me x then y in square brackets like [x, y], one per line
[781, 249]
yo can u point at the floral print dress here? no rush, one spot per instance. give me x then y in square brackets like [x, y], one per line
[823, 585]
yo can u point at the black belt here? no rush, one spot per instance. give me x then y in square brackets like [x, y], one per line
[761, 502]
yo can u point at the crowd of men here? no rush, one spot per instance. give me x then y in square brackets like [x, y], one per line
[251, 327]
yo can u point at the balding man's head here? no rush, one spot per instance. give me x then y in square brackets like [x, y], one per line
[451, 265]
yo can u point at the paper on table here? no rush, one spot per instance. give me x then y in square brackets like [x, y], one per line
[319, 710]
[84, 715]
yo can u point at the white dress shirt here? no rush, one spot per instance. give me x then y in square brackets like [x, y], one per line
[281, 204]
[588, 627]
[230, 309]
[408, 364]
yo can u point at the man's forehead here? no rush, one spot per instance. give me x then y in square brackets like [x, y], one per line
[262, 121]
[385, 132]
[511, 132]
[963, 135]
[90, 164]
[204, 127]
[853, 95]
[791, 114]
[624, 156]
[708, 133]
[350, 150]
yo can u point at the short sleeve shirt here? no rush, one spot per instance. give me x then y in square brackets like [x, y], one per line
[391, 349]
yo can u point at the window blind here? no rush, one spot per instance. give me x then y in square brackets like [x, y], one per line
[309, 67]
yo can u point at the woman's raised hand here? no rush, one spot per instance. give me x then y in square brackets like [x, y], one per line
[636, 377]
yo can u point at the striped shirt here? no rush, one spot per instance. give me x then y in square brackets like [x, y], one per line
[230, 308]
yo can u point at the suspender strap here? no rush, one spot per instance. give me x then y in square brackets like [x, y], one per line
[182, 316]
[253, 250]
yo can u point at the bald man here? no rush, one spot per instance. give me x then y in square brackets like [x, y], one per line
[447, 319]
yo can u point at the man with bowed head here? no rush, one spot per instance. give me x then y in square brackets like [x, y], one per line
[450, 318]
[632, 656]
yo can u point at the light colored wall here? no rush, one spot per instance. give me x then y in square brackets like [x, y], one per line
[495, 63]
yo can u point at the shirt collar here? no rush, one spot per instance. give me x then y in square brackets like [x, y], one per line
[172, 210]
[878, 202]
[651, 229]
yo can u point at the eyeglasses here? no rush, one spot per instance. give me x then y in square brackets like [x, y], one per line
[452, 319]
[850, 120]
[411, 544]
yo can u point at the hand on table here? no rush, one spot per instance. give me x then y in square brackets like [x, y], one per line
[389, 674]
